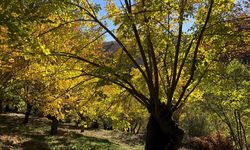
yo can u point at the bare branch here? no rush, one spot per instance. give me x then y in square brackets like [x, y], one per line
[93, 11]
[76, 57]
[184, 60]
[63, 24]
[193, 67]
[95, 39]
[140, 97]
[177, 50]
[113, 36]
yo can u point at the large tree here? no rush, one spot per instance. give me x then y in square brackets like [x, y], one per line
[159, 62]
[169, 61]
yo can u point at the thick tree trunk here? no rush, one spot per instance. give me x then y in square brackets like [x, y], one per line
[169, 138]
[27, 113]
[54, 125]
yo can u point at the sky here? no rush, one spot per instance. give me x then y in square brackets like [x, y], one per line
[104, 13]
[111, 26]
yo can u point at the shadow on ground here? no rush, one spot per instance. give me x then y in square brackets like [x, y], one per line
[34, 136]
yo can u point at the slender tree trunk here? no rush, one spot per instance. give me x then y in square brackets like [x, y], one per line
[139, 128]
[77, 122]
[244, 135]
[157, 138]
[1, 106]
[1, 100]
[54, 126]
[134, 128]
[27, 113]
[7, 108]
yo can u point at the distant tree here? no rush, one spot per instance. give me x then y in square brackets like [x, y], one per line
[11, 68]
[229, 99]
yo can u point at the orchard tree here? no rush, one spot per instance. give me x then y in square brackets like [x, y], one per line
[159, 63]
[19, 33]
[12, 65]
[168, 60]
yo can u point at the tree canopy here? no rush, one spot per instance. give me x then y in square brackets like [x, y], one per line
[166, 54]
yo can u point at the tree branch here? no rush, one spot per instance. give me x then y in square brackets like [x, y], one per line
[193, 67]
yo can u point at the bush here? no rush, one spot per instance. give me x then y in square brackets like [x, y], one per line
[196, 126]
[217, 142]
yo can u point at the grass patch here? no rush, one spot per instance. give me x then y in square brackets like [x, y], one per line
[34, 135]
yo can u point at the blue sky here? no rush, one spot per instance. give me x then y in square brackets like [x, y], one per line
[111, 26]
[186, 26]
[103, 13]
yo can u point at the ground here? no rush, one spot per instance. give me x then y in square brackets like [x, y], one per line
[35, 136]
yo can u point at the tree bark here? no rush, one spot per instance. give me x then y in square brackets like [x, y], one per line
[163, 134]
[54, 126]
[27, 113]
[77, 122]
[1, 106]
[139, 128]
